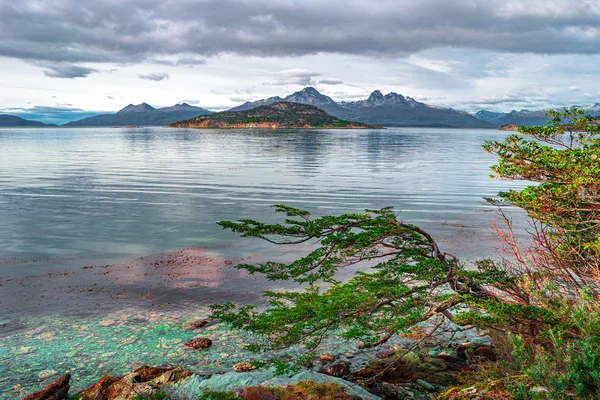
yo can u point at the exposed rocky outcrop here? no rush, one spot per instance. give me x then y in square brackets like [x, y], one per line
[143, 381]
[408, 367]
[99, 390]
[57, 390]
[235, 381]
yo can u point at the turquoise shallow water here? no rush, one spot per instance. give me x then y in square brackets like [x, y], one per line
[74, 197]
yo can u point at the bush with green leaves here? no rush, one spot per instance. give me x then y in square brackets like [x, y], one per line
[565, 366]
[563, 159]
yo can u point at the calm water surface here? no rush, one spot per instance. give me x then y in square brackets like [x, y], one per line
[75, 196]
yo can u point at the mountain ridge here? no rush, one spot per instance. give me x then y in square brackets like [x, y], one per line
[142, 114]
[391, 109]
[7, 120]
[528, 117]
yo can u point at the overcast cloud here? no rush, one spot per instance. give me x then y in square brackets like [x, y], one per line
[426, 48]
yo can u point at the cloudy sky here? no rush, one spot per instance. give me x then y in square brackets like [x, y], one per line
[80, 56]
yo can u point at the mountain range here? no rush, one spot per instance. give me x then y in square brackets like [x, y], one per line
[391, 109]
[528, 117]
[14, 121]
[143, 114]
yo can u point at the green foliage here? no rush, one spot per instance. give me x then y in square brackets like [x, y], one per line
[215, 395]
[564, 161]
[304, 390]
[559, 351]
[567, 367]
[410, 280]
[153, 396]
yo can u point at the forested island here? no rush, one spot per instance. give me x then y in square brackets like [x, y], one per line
[282, 115]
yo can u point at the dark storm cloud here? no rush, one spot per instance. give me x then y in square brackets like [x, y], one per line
[154, 77]
[186, 31]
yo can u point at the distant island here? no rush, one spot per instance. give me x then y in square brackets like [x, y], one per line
[509, 127]
[280, 115]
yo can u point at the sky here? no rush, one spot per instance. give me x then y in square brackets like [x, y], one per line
[68, 59]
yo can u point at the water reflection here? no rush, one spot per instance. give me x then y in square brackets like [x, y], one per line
[105, 194]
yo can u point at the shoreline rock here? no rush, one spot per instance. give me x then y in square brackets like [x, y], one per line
[143, 381]
[57, 390]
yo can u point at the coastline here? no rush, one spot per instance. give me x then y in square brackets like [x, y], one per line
[141, 310]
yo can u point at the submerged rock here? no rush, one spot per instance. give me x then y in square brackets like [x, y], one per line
[57, 390]
[199, 343]
[188, 326]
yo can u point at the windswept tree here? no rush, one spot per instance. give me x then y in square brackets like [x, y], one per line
[410, 279]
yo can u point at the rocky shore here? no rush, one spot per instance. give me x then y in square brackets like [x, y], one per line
[152, 311]
[400, 370]
[396, 375]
